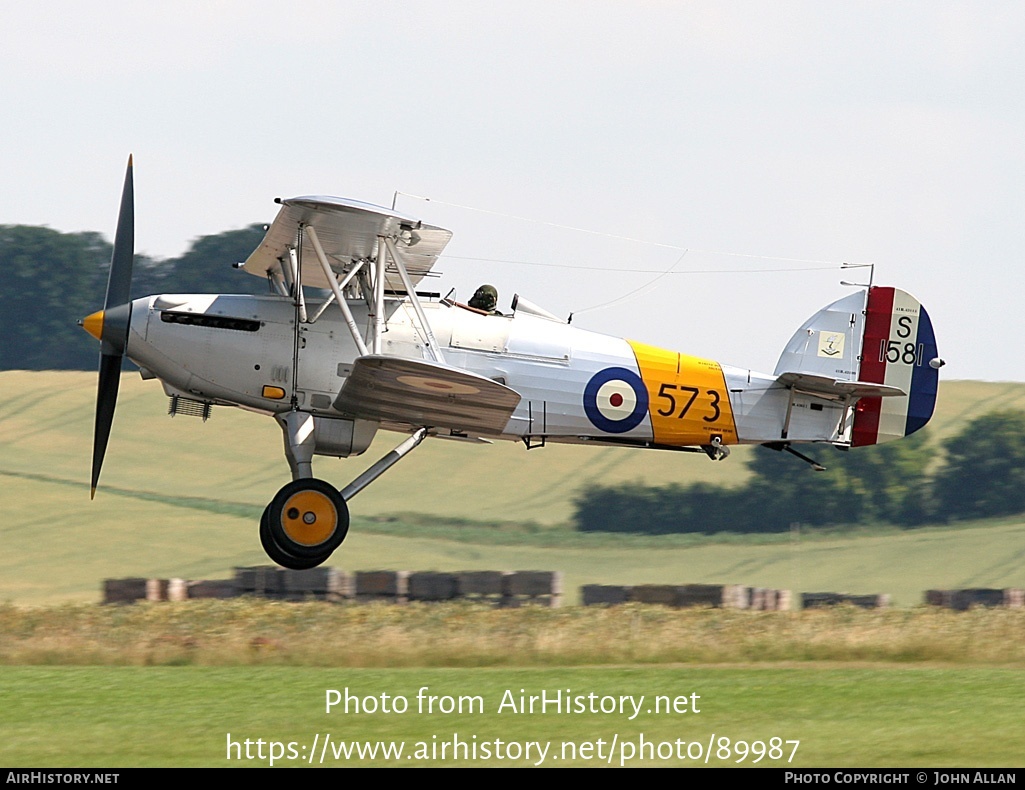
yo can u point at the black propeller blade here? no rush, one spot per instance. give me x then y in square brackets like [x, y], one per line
[111, 324]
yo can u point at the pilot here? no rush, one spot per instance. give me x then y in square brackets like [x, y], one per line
[486, 299]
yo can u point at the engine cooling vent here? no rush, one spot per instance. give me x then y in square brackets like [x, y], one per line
[188, 407]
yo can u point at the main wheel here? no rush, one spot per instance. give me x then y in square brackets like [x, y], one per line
[308, 519]
[279, 555]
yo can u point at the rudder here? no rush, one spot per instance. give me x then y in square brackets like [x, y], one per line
[899, 350]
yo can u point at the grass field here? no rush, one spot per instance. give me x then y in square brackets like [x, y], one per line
[842, 717]
[189, 684]
[180, 498]
[258, 632]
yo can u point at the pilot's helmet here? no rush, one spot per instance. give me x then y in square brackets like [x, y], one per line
[485, 298]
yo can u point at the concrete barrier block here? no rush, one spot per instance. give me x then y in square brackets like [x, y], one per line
[595, 594]
[820, 599]
[124, 590]
[260, 580]
[212, 588]
[665, 594]
[469, 583]
[533, 583]
[430, 586]
[156, 590]
[372, 585]
[963, 600]
[177, 590]
[318, 581]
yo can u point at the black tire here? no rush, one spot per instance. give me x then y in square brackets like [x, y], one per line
[308, 519]
[278, 555]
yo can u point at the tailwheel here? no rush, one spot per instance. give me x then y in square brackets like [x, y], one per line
[306, 521]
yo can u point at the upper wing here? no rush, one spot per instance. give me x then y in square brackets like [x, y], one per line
[348, 231]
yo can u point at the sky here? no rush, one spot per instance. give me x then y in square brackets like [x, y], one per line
[579, 151]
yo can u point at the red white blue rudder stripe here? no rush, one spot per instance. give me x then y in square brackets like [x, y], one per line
[899, 350]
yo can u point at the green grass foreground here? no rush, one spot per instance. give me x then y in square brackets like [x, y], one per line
[258, 632]
[114, 717]
[169, 684]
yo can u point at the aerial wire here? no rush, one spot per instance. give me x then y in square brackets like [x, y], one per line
[634, 292]
[659, 274]
[616, 269]
[617, 236]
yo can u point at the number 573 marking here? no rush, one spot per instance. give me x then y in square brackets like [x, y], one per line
[687, 397]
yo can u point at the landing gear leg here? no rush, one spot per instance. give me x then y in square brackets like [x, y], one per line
[382, 466]
[309, 518]
[300, 443]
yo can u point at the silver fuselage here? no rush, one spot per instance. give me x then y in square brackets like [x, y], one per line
[233, 349]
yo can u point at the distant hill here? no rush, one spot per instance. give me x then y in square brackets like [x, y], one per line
[179, 497]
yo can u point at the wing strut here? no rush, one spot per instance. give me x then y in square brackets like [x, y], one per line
[432, 344]
[293, 257]
[352, 236]
[378, 310]
[300, 314]
[336, 288]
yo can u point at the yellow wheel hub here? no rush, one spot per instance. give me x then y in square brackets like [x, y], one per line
[309, 518]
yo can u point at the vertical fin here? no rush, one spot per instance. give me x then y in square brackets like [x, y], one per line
[828, 343]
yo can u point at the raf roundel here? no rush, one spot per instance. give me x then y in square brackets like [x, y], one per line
[615, 400]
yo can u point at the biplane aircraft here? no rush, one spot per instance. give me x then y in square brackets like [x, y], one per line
[345, 345]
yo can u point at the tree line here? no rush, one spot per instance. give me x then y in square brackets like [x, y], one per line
[977, 473]
[53, 279]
